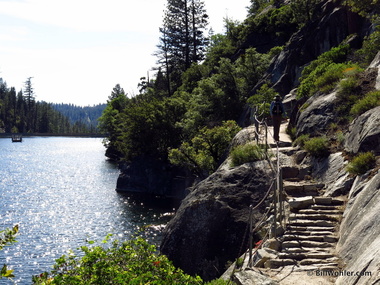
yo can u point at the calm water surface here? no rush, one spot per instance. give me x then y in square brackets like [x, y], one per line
[60, 191]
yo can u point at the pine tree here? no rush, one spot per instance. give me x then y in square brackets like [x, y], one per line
[183, 39]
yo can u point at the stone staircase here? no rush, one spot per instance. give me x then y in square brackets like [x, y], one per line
[310, 236]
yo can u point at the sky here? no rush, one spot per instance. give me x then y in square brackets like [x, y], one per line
[76, 51]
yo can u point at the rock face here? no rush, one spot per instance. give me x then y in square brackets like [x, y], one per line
[359, 244]
[152, 177]
[318, 114]
[364, 133]
[314, 39]
[209, 228]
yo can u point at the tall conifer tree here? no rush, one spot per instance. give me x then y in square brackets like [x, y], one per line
[182, 40]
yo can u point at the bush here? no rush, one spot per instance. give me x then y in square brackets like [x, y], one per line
[323, 72]
[7, 237]
[130, 262]
[318, 146]
[361, 163]
[300, 141]
[246, 153]
[370, 100]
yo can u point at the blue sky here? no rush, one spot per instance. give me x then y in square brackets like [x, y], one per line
[78, 50]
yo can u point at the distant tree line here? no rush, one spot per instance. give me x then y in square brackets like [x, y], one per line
[87, 116]
[21, 113]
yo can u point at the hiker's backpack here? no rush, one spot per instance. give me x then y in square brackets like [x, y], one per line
[277, 108]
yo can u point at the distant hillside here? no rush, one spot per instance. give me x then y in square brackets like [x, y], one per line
[88, 115]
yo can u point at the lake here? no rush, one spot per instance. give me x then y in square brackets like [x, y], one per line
[61, 193]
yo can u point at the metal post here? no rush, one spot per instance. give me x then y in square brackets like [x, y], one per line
[280, 194]
[250, 236]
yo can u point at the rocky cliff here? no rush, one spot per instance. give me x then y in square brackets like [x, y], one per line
[209, 227]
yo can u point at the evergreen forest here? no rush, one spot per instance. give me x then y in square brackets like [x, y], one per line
[20, 112]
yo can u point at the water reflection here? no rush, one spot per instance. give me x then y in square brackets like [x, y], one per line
[61, 193]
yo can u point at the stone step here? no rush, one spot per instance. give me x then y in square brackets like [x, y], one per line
[310, 261]
[330, 267]
[333, 211]
[305, 255]
[325, 208]
[309, 229]
[325, 217]
[310, 252]
[301, 189]
[320, 238]
[277, 263]
[327, 201]
[312, 223]
[306, 244]
[306, 233]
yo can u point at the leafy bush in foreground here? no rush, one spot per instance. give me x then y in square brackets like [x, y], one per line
[7, 236]
[130, 262]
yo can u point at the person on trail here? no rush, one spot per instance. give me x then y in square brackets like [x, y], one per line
[276, 111]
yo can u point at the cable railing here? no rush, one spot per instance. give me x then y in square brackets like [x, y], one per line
[277, 205]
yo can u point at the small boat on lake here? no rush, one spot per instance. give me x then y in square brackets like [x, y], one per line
[16, 138]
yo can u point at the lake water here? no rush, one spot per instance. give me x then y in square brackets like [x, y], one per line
[61, 193]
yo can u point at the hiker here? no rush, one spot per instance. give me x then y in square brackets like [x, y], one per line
[276, 111]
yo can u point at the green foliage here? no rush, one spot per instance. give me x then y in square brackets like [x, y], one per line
[247, 153]
[250, 67]
[131, 262]
[370, 100]
[275, 20]
[363, 7]
[318, 146]
[21, 113]
[325, 69]
[300, 141]
[371, 46]
[361, 163]
[7, 236]
[262, 100]
[303, 10]
[221, 46]
[324, 78]
[204, 152]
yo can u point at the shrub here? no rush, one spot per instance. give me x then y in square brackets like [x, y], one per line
[246, 153]
[131, 262]
[347, 87]
[340, 138]
[7, 237]
[318, 146]
[323, 72]
[262, 100]
[361, 163]
[370, 100]
[371, 46]
[300, 141]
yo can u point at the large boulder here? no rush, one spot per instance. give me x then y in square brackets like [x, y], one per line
[359, 243]
[317, 114]
[364, 133]
[331, 171]
[210, 227]
[149, 176]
